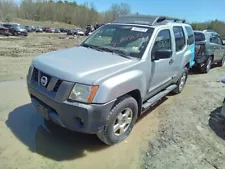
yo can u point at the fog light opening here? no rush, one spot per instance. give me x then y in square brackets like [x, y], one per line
[79, 121]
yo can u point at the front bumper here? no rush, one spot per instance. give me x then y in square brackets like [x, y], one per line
[85, 118]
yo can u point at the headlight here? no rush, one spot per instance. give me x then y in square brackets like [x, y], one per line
[83, 93]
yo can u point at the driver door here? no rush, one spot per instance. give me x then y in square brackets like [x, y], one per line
[161, 70]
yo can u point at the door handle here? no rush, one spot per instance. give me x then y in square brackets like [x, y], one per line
[171, 61]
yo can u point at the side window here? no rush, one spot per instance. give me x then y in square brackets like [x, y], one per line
[213, 39]
[179, 37]
[163, 41]
[190, 33]
[219, 40]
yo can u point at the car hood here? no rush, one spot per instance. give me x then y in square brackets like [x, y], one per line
[79, 64]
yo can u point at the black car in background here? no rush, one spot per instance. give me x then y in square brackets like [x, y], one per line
[71, 32]
[63, 29]
[16, 29]
[28, 28]
[98, 25]
[4, 31]
[89, 30]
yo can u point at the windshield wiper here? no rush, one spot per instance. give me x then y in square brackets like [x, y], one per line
[116, 51]
[92, 47]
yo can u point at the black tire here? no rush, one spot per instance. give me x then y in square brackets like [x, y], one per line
[220, 63]
[181, 82]
[107, 135]
[207, 66]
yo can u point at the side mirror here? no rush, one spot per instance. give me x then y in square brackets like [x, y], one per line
[162, 54]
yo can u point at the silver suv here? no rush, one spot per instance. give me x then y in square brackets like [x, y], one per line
[209, 49]
[103, 85]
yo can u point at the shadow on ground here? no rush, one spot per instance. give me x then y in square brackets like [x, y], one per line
[58, 145]
[196, 71]
[50, 140]
[149, 110]
[217, 123]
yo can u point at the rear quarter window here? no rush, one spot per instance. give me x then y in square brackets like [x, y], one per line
[179, 37]
[190, 34]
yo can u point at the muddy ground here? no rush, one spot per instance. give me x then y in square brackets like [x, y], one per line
[175, 134]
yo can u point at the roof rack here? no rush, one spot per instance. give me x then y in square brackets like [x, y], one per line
[146, 19]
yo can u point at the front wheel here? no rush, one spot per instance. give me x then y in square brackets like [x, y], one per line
[181, 82]
[120, 121]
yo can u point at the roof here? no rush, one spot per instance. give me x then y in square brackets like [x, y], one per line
[209, 32]
[147, 20]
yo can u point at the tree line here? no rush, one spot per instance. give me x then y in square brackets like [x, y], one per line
[60, 11]
[77, 14]
[216, 25]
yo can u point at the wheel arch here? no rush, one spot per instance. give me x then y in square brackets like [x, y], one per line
[136, 94]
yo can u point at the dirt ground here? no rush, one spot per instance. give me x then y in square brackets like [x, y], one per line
[16, 52]
[175, 134]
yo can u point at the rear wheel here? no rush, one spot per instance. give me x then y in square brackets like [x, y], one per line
[220, 63]
[207, 66]
[120, 121]
[181, 82]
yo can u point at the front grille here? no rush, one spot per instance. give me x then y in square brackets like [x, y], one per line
[37, 75]
[42, 74]
[57, 85]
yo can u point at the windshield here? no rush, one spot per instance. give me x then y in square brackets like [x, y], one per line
[199, 36]
[130, 40]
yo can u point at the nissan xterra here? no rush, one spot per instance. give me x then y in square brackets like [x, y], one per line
[103, 85]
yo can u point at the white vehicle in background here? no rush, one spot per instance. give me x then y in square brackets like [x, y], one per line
[79, 32]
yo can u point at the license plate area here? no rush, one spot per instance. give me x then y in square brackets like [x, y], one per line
[43, 110]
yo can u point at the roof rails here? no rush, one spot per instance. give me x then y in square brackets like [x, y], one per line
[146, 19]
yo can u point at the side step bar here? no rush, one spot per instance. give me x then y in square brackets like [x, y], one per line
[150, 102]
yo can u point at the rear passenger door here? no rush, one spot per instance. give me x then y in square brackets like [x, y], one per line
[191, 44]
[215, 47]
[221, 48]
[180, 49]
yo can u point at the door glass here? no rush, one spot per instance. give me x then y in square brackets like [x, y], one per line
[190, 35]
[163, 41]
[213, 39]
[179, 37]
[219, 41]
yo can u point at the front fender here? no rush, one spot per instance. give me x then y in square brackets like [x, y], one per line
[119, 85]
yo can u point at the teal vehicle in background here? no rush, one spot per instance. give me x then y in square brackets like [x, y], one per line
[192, 59]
